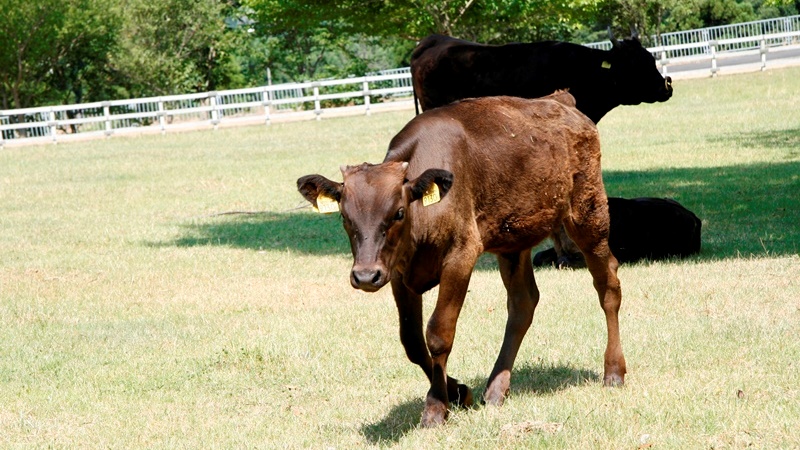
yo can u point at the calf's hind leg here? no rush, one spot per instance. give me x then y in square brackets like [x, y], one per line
[523, 296]
[591, 236]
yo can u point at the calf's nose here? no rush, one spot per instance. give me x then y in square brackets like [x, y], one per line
[367, 279]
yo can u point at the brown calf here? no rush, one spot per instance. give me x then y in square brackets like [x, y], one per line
[509, 171]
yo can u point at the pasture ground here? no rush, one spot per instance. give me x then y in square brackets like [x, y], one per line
[133, 316]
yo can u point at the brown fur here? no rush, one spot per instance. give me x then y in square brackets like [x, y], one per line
[512, 171]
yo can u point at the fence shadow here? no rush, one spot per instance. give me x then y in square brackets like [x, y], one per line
[746, 210]
[527, 379]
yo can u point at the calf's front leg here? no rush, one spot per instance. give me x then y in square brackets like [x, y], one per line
[409, 308]
[440, 334]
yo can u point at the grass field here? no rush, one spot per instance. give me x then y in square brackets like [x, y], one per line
[132, 315]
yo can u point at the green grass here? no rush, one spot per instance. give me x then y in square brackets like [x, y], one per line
[131, 316]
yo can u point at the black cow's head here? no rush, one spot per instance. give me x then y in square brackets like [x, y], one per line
[635, 75]
[374, 201]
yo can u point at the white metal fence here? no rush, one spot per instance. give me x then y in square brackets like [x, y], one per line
[360, 95]
[740, 36]
[262, 104]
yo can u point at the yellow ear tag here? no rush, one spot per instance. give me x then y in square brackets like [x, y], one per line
[326, 204]
[606, 65]
[431, 196]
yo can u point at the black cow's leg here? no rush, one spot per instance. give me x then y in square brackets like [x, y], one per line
[441, 332]
[603, 267]
[523, 296]
[409, 308]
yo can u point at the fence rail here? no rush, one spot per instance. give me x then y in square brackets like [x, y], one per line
[159, 114]
[311, 100]
[689, 43]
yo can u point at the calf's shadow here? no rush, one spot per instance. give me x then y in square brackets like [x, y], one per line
[527, 379]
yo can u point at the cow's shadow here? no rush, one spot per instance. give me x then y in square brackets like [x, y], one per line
[304, 232]
[527, 379]
[746, 210]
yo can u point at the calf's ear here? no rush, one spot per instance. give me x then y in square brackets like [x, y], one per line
[422, 185]
[314, 186]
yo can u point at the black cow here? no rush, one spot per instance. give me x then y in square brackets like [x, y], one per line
[445, 69]
[641, 228]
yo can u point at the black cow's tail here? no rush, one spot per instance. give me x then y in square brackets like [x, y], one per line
[416, 103]
[425, 44]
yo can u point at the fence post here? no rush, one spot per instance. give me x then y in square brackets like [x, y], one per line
[266, 100]
[107, 114]
[317, 109]
[365, 86]
[212, 97]
[664, 63]
[51, 117]
[713, 46]
[161, 116]
[764, 49]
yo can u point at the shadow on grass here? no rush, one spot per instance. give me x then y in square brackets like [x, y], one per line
[781, 139]
[539, 379]
[400, 420]
[310, 233]
[746, 210]
[525, 380]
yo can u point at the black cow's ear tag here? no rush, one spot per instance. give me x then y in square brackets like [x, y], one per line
[326, 204]
[431, 196]
[606, 65]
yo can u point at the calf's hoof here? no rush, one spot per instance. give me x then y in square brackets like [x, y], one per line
[498, 388]
[614, 380]
[434, 414]
[461, 395]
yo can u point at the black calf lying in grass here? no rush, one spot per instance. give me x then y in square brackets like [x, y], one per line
[641, 228]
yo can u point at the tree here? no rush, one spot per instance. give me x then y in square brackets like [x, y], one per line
[81, 72]
[414, 19]
[51, 48]
[653, 17]
[307, 39]
[176, 46]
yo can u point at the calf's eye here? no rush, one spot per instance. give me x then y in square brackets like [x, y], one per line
[400, 214]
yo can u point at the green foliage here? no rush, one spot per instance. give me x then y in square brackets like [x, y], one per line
[89, 37]
[653, 17]
[303, 41]
[484, 20]
[53, 51]
[176, 46]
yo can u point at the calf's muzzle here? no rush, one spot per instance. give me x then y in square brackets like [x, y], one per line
[368, 279]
